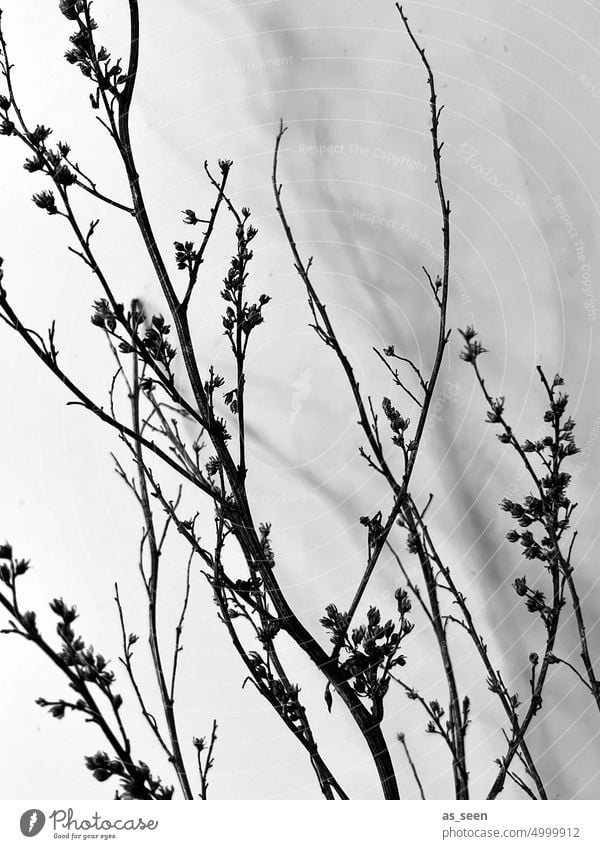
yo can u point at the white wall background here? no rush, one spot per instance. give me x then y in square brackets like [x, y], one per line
[518, 80]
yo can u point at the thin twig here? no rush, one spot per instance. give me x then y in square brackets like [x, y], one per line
[402, 739]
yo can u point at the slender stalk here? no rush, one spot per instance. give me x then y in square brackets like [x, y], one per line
[326, 331]
[204, 769]
[493, 675]
[126, 660]
[594, 683]
[167, 697]
[402, 740]
[457, 723]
